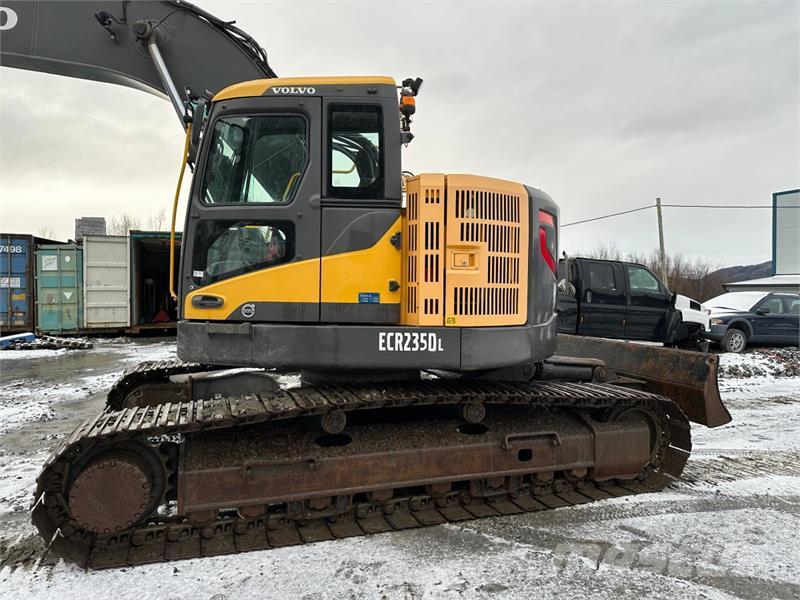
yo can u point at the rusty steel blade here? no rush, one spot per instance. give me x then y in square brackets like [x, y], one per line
[688, 378]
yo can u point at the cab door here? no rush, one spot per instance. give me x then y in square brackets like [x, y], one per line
[771, 323]
[251, 250]
[360, 243]
[602, 299]
[648, 304]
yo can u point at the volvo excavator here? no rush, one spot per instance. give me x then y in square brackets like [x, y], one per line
[420, 311]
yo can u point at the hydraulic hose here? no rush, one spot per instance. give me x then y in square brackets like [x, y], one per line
[184, 158]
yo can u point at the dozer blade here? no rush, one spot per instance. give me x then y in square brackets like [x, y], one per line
[688, 378]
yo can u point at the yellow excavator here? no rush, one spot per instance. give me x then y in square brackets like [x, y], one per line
[420, 311]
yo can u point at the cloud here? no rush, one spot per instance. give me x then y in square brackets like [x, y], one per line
[603, 105]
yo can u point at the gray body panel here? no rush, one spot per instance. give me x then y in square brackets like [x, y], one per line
[348, 229]
[542, 296]
[328, 312]
[299, 346]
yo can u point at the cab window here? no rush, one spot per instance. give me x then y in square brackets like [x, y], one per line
[773, 304]
[642, 281]
[601, 277]
[228, 248]
[255, 159]
[355, 151]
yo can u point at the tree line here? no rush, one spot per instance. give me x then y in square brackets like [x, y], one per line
[696, 278]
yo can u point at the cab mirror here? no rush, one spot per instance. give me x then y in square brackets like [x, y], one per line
[198, 119]
[762, 311]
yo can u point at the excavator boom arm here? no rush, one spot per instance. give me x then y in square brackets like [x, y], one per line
[159, 47]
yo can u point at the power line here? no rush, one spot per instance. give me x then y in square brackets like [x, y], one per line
[624, 212]
[712, 206]
[722, 206]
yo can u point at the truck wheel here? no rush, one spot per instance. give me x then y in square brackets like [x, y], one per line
[734, 340]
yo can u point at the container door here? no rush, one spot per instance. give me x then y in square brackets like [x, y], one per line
[58, 289]
[106, 282]
[15, 282]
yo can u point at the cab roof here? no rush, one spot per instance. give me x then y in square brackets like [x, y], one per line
[353, 85]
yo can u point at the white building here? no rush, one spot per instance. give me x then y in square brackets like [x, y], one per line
[785, 248]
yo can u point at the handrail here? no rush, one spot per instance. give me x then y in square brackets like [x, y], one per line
[175, 214]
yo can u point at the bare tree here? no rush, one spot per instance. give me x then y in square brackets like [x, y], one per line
[604, 251]
[694, 278]
[122, 224]
[158, 221]
[46, 231]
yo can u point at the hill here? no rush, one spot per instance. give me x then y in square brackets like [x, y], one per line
[743, 272]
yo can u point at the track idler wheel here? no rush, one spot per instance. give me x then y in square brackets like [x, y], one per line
[114, 491]
[634, 414]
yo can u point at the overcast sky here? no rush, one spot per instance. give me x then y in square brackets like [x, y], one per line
[604, 105]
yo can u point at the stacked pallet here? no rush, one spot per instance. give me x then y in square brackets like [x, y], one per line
[48, 342]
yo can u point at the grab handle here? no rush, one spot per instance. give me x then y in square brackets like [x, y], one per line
[204, 301]
[555, 439]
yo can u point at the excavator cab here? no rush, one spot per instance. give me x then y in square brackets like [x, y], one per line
[296, 197]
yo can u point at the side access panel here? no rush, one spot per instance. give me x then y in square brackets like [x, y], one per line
[423, 246]
[359, 263]
[486, 258]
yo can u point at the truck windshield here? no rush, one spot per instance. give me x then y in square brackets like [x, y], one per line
[255, 159]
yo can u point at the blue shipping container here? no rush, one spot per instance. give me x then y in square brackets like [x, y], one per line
[16, 278]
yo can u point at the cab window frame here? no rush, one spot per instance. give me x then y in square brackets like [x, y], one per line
[660, 288]
[210, 129]
[286, 228]
[377, 189]
[593, 268]
[769, 300]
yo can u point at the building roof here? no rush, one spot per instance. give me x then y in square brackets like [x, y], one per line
[776, 282]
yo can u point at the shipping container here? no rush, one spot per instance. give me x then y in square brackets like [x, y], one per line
[59, 288]
[106, 282]
[17, 290]
[151, 305]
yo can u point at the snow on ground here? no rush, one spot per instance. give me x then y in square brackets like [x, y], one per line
[726, 531]
[36, 382]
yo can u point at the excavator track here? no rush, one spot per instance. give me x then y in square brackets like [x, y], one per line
[166, 451]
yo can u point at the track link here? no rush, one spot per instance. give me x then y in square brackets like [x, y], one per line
[162, 537]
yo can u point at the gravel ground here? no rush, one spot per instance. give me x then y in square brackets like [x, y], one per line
[727, 530]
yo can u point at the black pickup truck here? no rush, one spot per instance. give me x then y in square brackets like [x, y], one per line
[623, 300]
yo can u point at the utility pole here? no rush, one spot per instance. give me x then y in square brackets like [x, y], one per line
[661, 243]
